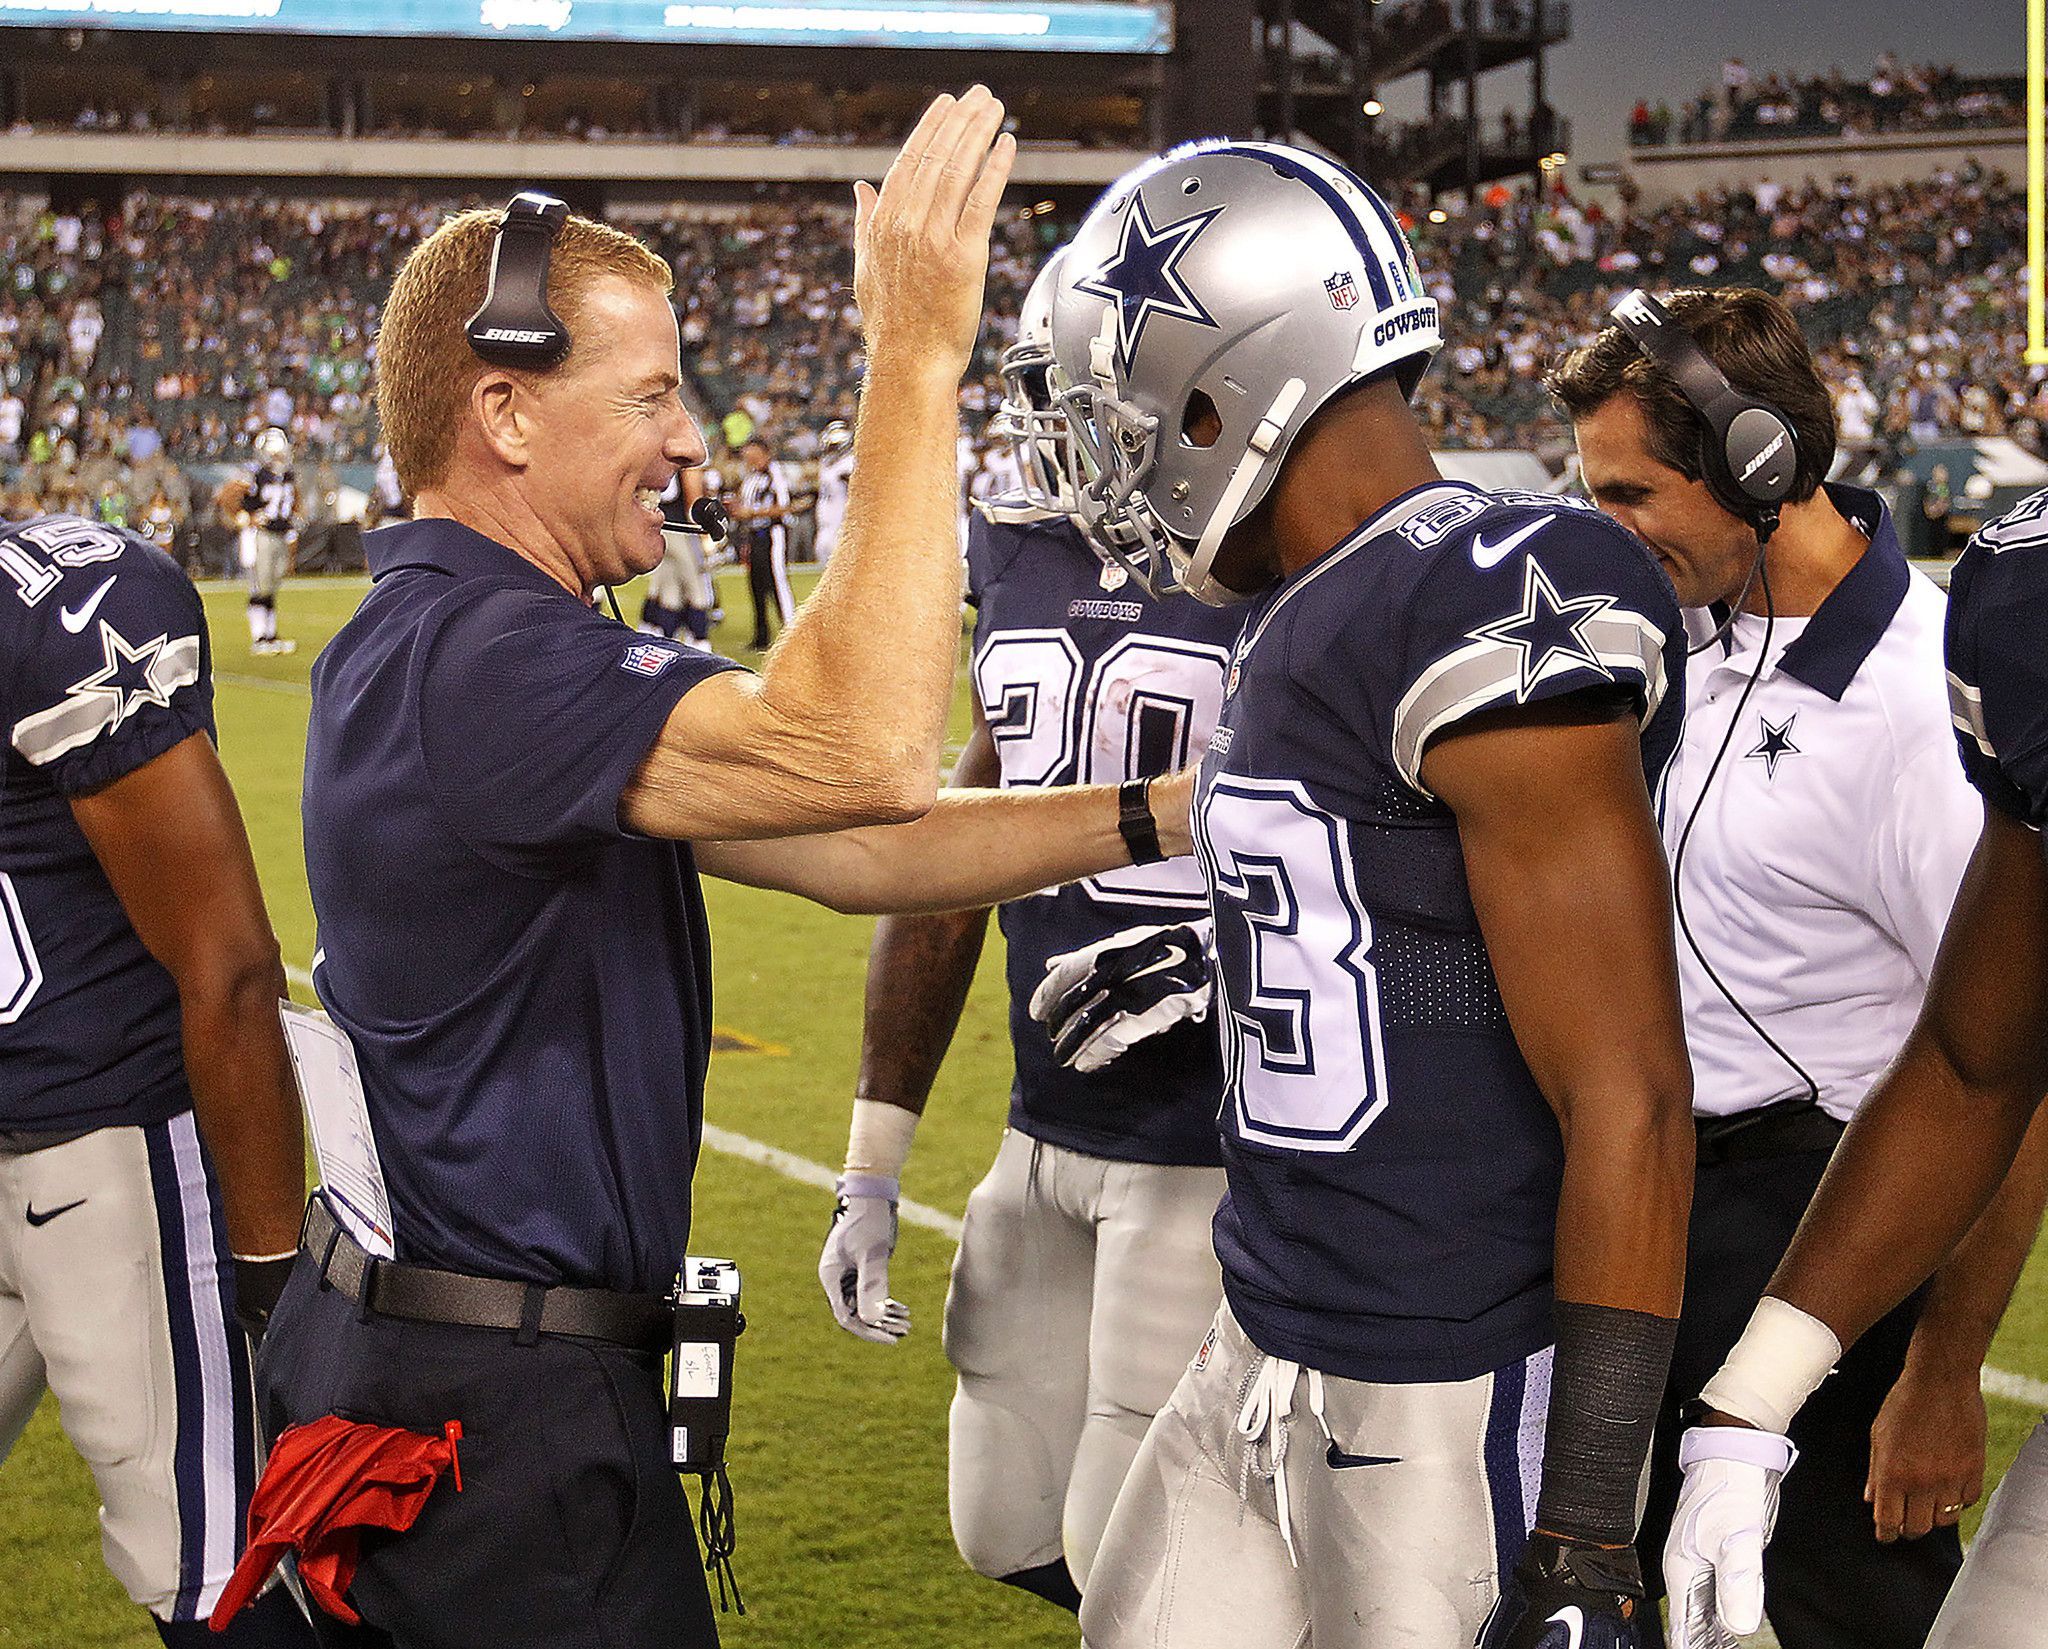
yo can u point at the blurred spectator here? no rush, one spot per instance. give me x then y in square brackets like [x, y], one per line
[1917, 98]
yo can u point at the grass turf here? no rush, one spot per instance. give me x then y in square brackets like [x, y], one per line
[839, 1446]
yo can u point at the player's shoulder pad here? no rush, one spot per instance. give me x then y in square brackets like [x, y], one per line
[996, 540]
[101, 631]
[1525, 597]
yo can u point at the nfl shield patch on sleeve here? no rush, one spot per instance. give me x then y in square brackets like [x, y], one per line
[648, 658]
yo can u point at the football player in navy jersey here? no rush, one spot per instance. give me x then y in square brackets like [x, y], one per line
[1455, 1116]
[1891, 1210]
[1085, 1275]
[267, 521]
[140, 1052]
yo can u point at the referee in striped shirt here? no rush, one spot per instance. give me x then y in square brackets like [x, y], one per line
[763, 515]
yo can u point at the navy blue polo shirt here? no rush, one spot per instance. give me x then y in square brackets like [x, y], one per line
[526, 982]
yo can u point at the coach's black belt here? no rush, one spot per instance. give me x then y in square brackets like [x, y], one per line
[421, 1294]
[1780, 1130]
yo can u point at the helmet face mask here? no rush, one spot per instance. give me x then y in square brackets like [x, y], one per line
[1249, 282]
[1027, 418]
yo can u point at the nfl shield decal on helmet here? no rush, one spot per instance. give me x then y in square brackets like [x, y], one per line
[1343, 290]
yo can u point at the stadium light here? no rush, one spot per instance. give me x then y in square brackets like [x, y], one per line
[1373, 106]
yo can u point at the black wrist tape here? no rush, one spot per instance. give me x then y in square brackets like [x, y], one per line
[1606, 1385]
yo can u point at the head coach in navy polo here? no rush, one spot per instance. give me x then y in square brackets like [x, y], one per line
[500, 786]
[1819, 826]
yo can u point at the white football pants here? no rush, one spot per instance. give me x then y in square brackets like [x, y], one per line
[1081, 1288]
[2000, 1600]
[1339, 1514]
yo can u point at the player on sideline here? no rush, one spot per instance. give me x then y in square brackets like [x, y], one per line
[139, 1052]
[835, 479]
[1456, 1119]
[1891, 1210]
[679, 593]
[266, 518]
[1085, 1275]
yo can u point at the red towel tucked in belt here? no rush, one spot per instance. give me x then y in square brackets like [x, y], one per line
[326, 1482]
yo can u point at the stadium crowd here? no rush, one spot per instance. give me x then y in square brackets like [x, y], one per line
[165, 333]
[1910, 97]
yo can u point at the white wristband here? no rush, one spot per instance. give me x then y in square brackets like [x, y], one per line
[1782, 1356]
[879, 1140]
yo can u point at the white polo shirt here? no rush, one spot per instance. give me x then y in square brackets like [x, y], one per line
[1828, 851]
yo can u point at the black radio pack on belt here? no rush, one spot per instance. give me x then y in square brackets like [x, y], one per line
[514, 325]
[1749, 455]
[707, 1330]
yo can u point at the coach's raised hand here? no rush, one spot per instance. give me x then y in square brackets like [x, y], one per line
[847, 720]
[920, 242]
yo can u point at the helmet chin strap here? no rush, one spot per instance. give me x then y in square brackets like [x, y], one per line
[1195, 577]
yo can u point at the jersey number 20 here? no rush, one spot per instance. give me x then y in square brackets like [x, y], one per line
[1147, 707]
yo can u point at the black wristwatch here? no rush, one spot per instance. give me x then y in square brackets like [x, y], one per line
[1134, 821]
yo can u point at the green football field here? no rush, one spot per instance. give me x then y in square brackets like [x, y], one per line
[838, 1453]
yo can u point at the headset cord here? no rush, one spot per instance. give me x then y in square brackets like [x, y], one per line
[715, 1521]
[1757, 570]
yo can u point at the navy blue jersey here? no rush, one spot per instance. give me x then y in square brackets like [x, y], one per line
[1997, 648]
[1084, 679]
[526, 982]
[103, 665]
[273, 497]
[1393, 1168]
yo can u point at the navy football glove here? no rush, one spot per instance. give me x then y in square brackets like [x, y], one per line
[1104, 998]
[1564, 1595]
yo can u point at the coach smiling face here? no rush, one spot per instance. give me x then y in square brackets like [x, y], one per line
[499, 783]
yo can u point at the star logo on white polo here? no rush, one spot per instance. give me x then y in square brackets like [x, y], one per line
[128, 674]
[1775, 745]
[1144, 279]
[1549, 632]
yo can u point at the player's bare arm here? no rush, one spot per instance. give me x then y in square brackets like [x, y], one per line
[1927, 1445]
[973, 849]
[1971, 1076]
[1568, 881]
[919, 971]
[170, 838]
[838, 730]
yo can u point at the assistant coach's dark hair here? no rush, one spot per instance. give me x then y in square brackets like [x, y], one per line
[1752, 337]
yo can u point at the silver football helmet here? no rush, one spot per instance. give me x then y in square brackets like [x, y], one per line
[1219, 295]
[1035, 429]
[273, 446]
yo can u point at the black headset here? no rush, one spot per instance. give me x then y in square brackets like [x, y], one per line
[1749, 452]
[514, 326]
[1749, 456]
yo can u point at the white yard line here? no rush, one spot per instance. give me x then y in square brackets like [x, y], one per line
[1996, 1382]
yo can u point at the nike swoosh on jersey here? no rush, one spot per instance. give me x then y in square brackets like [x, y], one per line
[1573, 1620]
[1485, 555]
[74, 621]
[1339, 1460]
[48, 1214]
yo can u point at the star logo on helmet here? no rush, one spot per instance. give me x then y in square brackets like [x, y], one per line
[1144, 280]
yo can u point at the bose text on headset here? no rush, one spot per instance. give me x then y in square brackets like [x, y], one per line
[1749, 461]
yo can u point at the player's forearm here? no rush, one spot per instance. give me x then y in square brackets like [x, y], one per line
[246, 1102]
[874, 648]
[1973, 1287]
[1627, 1194]
[919, 972]
[1890, 1208]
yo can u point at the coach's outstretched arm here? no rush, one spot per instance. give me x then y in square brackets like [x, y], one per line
[1568, 881]
[845, 724]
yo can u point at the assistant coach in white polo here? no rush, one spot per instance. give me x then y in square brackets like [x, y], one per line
[1818, 822]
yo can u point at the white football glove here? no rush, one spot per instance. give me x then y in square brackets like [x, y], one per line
[1105, 998]
[1714, 1557]
[854, 1266]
